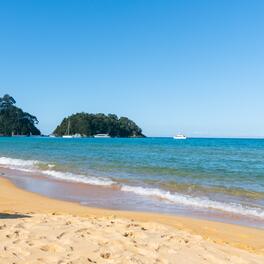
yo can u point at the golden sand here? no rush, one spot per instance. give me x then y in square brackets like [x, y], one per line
[36, 229]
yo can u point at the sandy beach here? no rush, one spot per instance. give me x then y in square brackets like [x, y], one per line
[131, 132]
[37, 229]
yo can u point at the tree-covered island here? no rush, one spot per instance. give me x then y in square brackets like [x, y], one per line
[14, 121]
[88, 125]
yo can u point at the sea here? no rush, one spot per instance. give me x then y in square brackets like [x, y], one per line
[216, 179]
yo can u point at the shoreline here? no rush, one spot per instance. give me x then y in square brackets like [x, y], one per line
[16, 200]
[114, 198]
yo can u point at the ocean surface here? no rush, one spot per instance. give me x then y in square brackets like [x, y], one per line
[220, 178]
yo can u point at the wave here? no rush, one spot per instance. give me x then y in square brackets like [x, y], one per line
[78, 178]
[19, 163]
[197, 202]
[35, 166]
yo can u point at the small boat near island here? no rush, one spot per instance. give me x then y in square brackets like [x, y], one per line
[68, 135]
[101, 136]
[77, 135]
[180, 136]
[72, 136]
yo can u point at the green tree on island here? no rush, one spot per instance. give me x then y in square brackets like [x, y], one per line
[91, 124]
[14, 121]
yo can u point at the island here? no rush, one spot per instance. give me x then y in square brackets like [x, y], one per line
[89, 125]
[14, 121]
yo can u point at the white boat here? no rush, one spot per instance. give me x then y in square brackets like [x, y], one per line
[180, 136]
[67, 135]
[77, 135]
[102, 136]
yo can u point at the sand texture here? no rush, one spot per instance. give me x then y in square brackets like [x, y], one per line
[47, 238]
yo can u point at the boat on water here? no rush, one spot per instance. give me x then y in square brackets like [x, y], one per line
[101, 136]
[180, 136]
[67, 134]
[77, 135]
[72, 136]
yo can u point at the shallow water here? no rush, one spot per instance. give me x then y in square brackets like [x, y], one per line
[204, 176]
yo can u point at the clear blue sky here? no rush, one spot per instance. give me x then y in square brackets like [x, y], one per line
[195, 67]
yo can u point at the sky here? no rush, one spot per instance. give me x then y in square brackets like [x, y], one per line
[192, 67]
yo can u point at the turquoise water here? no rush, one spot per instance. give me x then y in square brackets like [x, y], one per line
[219, 175]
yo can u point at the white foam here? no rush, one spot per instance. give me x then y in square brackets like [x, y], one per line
[198, 202]
[68, 176]
[19, 163]
[32, 166]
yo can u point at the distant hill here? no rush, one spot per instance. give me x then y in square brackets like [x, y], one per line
[91, 124]
[14, 121]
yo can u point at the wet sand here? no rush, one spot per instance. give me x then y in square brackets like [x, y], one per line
[37, 229]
